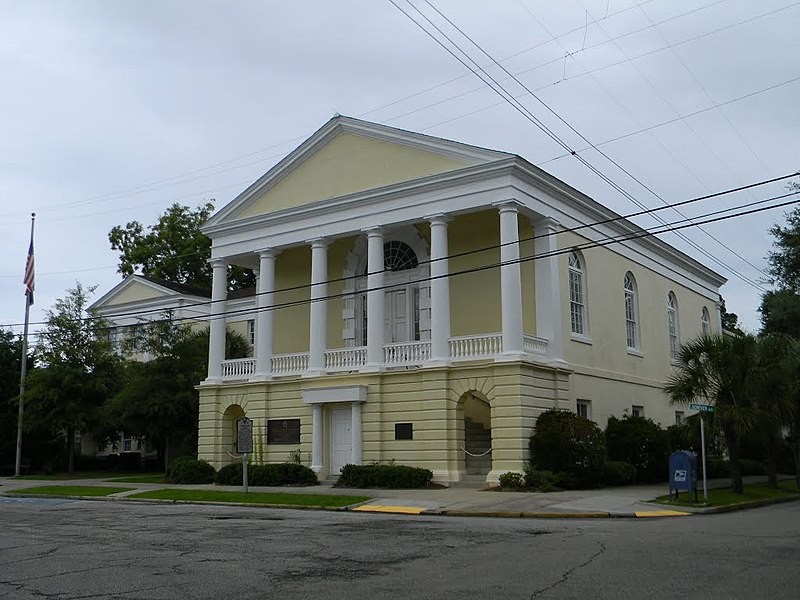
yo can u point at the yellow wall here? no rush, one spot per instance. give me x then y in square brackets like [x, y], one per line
[346, 164]
[292, 270]
[135, 292]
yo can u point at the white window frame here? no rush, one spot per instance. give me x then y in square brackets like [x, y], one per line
[251, 332]
[637, 410]
[579, 323]
[583, 408]
[679, 417]
[631, 312]
[705, 322]
[673, 327]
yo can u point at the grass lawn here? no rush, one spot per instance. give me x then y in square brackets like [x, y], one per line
[726, 497]
[70, 490]
[79, 475]
[151, 478]
[252, 497]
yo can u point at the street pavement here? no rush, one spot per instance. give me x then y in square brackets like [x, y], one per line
[630, 501]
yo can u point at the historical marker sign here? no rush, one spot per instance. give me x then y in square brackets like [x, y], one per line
[702, 407]
[244, 431]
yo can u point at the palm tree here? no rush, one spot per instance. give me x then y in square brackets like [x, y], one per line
[723, 371]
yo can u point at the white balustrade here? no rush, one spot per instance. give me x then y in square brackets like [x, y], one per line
[289, 364]
[345, 359]
[534, 345]
[468, 347]
[406, 353]
[238, 368]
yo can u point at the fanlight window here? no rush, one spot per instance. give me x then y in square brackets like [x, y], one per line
[577, 304]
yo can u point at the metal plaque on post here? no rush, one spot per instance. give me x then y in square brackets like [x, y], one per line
[244, 442]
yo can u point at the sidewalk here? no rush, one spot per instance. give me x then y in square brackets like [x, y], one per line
[631, 501]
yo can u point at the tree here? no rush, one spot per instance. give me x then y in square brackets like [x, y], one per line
[780, 312]
[730, 321]
[173, 249]
[784, 261]
[640, 442]
[158, 400]
[723, 371]
[77, 371]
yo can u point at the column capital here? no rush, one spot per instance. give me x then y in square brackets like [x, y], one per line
[508, 205]
[267, 253]
[438, 219]
[217, 262]
[373, 230]
[547, 222]
[318, 242]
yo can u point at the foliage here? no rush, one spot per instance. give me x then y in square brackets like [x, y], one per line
[730, 321]
[538, 479]
[158, 400]
[723, 371]
[10, 362]
[780, 312]
[383, 476]
[512, 480]
[191, 471]
[175, 463]
[784, 261]
[619, 472]
[570, 446]
[275, 474]
[78, 371]
[640, 442]
[173, 249]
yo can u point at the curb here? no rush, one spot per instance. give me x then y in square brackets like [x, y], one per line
[712, 510]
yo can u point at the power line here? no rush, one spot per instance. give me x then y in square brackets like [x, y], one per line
[710, 217]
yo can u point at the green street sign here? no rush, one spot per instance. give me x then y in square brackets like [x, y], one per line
[702, 407]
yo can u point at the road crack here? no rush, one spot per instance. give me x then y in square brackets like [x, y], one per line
[569, 572]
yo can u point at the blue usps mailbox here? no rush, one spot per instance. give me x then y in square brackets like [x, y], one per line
[683, 472]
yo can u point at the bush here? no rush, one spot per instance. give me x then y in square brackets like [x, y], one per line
[189, 470]
[570, 446]
[383, 476]
[752, 467]
[267, 475]
[130, 461]
[511, 480]
[619, 472]
[717, 468]
[544, 481]
[175, 463]
[642, 443]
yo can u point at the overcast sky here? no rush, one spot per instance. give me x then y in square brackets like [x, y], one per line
[110, 111]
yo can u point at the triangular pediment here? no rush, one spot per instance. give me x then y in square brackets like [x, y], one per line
[136, 288]
[348, 156]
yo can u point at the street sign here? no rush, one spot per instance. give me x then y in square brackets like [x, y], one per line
[702, 407]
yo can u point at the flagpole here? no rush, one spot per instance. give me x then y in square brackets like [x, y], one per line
[24, 365]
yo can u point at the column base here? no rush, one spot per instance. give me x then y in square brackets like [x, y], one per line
[212, 381]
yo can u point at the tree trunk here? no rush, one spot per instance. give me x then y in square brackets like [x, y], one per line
[70, 450]
[732, 441]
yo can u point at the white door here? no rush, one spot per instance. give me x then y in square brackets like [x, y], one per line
[341, 439]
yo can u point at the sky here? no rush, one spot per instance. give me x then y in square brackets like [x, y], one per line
[111, 111]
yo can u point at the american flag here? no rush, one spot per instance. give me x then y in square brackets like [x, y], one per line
[28, 281]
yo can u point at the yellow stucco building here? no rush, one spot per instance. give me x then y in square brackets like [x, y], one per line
[423, 301]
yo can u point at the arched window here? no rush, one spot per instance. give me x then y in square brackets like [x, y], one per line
[398, 256]
[705, 322]
[631, 312]
[672, 325]
[577, 294]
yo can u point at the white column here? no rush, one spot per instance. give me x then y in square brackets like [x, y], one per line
[319, 306]
[548, 287]
[216, 329]
[510, 281]
[375, 324]
[316, 437]
[440, 290]
[355, 435]
[265, 316]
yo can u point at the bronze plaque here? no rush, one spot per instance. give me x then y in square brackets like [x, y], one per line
[283, 431]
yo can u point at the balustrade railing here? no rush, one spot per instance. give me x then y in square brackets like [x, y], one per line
[467, 347]
[238, 368]
[345, 359]
[534, 345]
[289, 364]
[406, 353]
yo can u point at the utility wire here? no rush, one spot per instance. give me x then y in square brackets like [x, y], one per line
[710, 217]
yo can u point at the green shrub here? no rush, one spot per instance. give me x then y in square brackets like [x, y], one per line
[619, 472]
[176, 462]
[277, 474]
[512, 480]
[642, 443]
[192, 471]
[717, 468]
[383, 476]
[539, 480]
[571, 447]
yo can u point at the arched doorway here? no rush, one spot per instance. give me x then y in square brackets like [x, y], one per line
[477, 422]
[229, 434]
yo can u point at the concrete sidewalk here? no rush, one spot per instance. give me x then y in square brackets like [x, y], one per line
[631, 501]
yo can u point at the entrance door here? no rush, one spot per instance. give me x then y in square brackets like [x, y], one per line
[396, 308]
[341, 439]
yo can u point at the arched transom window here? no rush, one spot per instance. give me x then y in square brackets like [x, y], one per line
[672, 324]
[631, 312]
[577, 294]
[398, 256]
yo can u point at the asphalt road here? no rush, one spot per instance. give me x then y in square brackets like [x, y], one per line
[78, 549]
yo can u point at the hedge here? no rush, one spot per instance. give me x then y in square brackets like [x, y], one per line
[189, 470]
[384, 476]
[619, 472]
[277, 474]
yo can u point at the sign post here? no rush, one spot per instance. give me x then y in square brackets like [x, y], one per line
[701, 408]
[244, 441]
